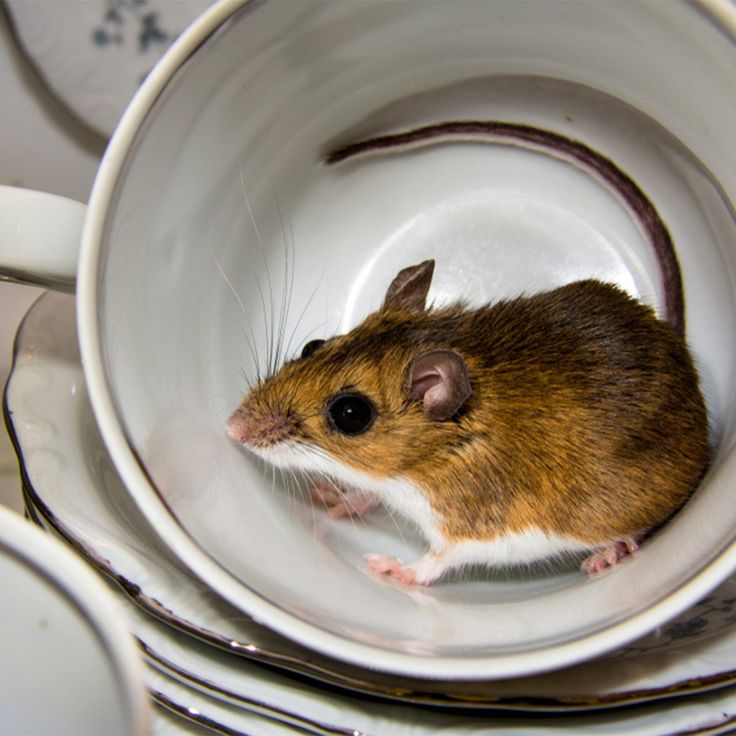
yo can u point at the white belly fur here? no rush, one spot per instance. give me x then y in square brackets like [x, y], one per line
[515, 548]
[403, 497]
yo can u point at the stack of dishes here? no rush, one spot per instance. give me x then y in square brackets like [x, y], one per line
[218, 241]
[210, 664]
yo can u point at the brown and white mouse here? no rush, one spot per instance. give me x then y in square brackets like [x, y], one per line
[569, 421]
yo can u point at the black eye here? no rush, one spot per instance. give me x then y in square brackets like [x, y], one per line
[351, 413]
[310, 347]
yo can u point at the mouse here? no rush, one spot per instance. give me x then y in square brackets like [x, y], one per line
[565, 422]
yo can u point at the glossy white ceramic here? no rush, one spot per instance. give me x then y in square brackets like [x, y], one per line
[29, 246]
[706, 713]
[213, 212]
[211, 692]
[191, 682]
[201, 710]
[169, 722]
[73, 488]
[56, 611]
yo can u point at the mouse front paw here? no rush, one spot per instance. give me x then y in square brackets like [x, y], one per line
[609, 556]
[340, 501]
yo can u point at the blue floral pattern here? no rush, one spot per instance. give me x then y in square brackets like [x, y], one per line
[124, 19]
[713, 615]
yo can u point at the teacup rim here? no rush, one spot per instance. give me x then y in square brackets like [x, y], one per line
[143, 488]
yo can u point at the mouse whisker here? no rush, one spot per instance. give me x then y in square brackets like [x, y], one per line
[273, 478]
[313, 507]
[249, 339]
[246, 379]
[315, 450]
[288, 479]
[268, 323]
[397, 524]
[288, 281]
[249, 342]
[317, 329]
[302, 314]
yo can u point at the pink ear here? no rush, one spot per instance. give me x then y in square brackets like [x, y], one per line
[440, 379]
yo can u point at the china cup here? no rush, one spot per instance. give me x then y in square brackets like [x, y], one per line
[218, 241]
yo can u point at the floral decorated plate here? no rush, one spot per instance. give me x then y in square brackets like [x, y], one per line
[93, 54]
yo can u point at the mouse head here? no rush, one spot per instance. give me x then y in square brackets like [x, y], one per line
[370, 400]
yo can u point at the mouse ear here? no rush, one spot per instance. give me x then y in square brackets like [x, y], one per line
[408, 291]
[440, 379]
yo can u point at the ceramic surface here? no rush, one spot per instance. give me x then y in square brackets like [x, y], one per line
[168, 722]
[213, 212]
[711, 713]
[229, 694]
[56, 611]
[222, 693]
[203, 711]
[72, 486]
[94, 54]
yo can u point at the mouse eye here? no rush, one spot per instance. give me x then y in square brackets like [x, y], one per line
[351, 413]
[310, 347]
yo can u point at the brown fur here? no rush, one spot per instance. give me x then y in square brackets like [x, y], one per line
[585, 417]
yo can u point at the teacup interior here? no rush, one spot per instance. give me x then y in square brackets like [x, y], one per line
[232, 243]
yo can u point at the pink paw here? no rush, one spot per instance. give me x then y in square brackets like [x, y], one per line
[341, 502]
[389, 567]
[609, 556]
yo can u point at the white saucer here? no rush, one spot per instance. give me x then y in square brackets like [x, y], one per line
[93, 54]
[71, 483]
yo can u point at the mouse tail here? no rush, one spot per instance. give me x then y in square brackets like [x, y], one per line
[580, 155]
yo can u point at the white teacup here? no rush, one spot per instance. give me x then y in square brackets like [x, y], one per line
[213, 212]
[56, 611]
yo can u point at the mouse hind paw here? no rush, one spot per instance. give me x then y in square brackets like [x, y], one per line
[424, 571]
[610, 555]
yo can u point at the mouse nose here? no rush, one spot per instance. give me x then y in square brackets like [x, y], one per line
[238, 429]
[259, 431]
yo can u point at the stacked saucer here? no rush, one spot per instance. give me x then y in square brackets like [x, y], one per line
[93, 55]
[211, 667]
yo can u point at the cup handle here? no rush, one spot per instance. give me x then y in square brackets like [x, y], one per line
[40, 236]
